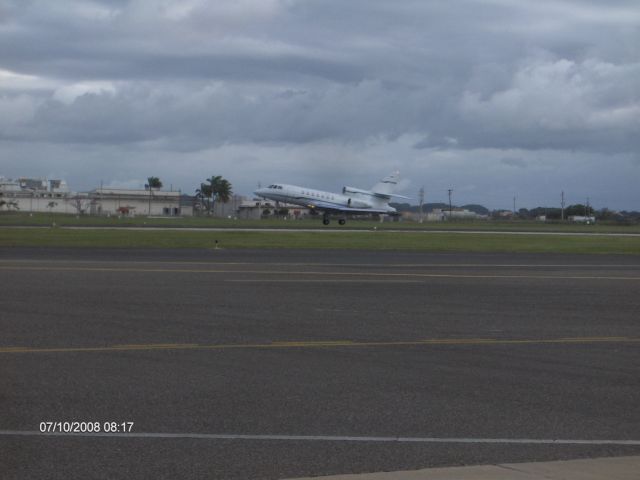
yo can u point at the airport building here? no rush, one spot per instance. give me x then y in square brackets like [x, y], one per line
[439, 214]
[223, 209]
[54, 196]
[588, 219]
[36, 195]
[126, 202]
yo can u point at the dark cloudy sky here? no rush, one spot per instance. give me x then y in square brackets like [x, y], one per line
[493, 98]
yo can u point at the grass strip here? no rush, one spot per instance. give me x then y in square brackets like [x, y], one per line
[366, 240]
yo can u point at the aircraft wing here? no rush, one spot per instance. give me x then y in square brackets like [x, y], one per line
[328, 206]
[391, 195]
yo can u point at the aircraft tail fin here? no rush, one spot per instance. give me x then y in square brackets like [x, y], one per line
[387, 185]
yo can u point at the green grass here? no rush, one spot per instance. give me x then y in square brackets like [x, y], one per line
[371, 240]
[43, 219]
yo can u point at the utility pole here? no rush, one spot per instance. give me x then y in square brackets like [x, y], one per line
[562, 204]
[421, 195]
[450, 207]
[149, 210]
[514, 207]
[586, 209]
[100, 196]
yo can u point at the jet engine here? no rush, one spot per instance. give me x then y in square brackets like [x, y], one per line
[354, 202]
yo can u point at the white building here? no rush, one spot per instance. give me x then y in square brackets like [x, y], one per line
[125, 202]
[440, 214]
[36, 195]
[588, 219]
[228, 209]
[54, 196]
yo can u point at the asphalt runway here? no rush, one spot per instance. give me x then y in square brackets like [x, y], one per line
[280, 364]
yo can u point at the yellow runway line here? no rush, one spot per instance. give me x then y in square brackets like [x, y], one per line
[321, 344]
[312, 273]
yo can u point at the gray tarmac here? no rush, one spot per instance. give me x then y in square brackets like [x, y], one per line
[279, 364]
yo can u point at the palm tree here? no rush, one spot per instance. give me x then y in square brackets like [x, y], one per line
[203, 193]
[51, 206]
[152, 182]
[218, 189]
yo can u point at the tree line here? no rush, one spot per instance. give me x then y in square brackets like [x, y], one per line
[212, 190]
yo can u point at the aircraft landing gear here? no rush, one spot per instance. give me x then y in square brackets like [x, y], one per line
[326, 219]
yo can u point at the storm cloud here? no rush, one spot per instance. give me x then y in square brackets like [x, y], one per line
[454, 94]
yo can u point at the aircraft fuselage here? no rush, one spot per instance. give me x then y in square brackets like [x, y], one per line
[323, 200]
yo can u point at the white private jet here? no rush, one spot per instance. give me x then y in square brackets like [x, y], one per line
[351, 200]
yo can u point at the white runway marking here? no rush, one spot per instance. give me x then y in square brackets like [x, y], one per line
[325, 438]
